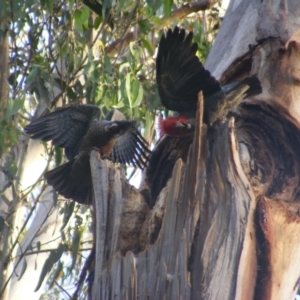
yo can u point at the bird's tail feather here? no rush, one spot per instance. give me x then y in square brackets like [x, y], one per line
[245, 88]
[254, 86]
[65, 183]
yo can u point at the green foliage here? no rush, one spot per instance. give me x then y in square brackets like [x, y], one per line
[61, 53]
[53, 258]
[24, 267]
[56, 274]
[168, 7]
[75, 246]
[67, 212]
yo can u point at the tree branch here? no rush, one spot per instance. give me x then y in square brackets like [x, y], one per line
[189, 8]
[119, 44]
[179, 13]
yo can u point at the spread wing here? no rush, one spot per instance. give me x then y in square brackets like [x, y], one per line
[131, 147]
[179, 73]
[66, 127]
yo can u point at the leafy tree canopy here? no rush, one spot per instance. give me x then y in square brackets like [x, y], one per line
[71, 52]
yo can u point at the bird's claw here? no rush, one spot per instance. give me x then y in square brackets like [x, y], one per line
[95, 149]
[106, 158]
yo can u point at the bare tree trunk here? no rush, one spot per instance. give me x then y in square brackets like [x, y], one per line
[227, 224]
[7, 208]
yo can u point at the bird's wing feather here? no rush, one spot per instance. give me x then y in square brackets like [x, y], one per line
[130, 148]
[179, 73]
[66, 127]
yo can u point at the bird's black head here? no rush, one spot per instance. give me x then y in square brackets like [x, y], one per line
[118, 128]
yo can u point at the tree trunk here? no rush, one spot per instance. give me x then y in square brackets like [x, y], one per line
[7, 208]
[227, 224]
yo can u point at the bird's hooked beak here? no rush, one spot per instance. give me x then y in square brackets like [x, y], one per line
[181, 125]
[111, 127]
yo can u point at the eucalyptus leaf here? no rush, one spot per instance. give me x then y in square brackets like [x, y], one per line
[23, 269]
[128, 89]
[154, 4]
[168, 7]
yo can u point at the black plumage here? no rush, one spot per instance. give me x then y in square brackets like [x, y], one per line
[179, 73]
[181, 76]
[78, 129]
[161, 163]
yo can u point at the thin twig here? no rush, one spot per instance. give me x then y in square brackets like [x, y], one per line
[87, 266]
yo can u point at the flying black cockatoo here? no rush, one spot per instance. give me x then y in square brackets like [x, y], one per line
[78, 129]
[180, 76]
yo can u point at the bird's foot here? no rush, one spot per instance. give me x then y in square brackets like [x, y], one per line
[95, 149]
[100, 156]
[106, 157]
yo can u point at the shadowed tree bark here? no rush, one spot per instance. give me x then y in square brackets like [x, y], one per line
[227, 224]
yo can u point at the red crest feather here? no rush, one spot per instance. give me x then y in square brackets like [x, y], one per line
[169, 125]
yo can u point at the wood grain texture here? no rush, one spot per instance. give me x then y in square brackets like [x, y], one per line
[225, 226]
[279, 235]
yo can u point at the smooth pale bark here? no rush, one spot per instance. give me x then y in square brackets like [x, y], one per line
[42, 229]
[31, 158]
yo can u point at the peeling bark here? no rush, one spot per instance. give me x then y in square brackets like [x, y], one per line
[279, 248]
[225, 225]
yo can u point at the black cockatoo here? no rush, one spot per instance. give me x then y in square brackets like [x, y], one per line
[180, 76]
[78, 129]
